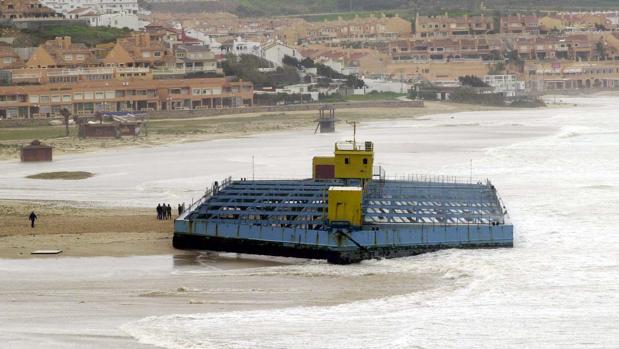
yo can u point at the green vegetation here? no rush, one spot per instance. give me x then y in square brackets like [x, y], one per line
[472, 81]
[90, 36]
[525, 102]
[30, 133]
[372, 96]
[247, 67]
[318, 10]
[64, 175]
[252, 8]
[473, 96]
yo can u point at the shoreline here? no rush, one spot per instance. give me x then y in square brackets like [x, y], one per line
[205, 128]
[81, 229]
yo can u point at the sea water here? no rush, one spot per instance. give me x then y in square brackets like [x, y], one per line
[556, 169]
[558, 287]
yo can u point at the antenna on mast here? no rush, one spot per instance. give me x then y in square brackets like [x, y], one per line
[354, 132]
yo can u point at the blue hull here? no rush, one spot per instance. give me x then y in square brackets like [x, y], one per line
[401, 218]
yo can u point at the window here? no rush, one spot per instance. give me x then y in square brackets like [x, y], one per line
[157, 54]
[346, 161]
[175, 91]
[7, 60]
[196, 91]
[365, 161]
[87, 95]
[55, 99]
[66, 98]
[44, 99]
[79, 57]
[146, 54]
[34, 99]
[68, 57]
[78, 96]
[99, 95]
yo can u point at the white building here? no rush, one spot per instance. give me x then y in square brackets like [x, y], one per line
[339, 66]
[380, 85]
[118, 20]
[242, 47]
[207, 40]
[506, 84]
[101, 6]
[301, 89]
[107, 13]
[275, 51]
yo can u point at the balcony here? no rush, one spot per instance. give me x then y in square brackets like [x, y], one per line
[182, 71]
[80, 71]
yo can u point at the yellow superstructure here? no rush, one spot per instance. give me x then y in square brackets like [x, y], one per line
[345, 205]
[323, 167]
[351, 160]
[354, 161]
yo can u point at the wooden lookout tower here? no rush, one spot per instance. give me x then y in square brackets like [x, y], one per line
[326, 119]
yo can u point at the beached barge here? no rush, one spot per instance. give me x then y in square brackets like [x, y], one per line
[348, 211]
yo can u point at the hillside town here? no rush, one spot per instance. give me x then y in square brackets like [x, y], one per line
[159, 61]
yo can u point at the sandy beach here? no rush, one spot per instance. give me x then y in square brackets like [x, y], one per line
[81, 231]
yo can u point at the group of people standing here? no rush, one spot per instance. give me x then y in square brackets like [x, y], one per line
[164, 211]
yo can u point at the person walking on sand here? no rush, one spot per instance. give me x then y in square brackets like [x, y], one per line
[169, 211]
[159, 211]
[33, 217]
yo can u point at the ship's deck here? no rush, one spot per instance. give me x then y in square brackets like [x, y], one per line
[302, 204]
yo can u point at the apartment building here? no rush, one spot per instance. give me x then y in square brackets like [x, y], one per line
[139, 50]
[519, 24]
[9, 59]
[543, 76]
[195, 58]
[573, 47]
[436, 26]
[101, 6]
[87, 97]
[358, 28]
[14, 9]
[62, 53]
[446, 49]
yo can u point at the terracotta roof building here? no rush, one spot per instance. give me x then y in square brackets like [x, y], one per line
[88, 97]
[62, 53]
[432, 26]
[139, 50]
[9, 58]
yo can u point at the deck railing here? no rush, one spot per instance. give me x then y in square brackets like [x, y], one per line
[208, 193]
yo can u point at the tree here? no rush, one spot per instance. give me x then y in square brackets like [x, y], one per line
[291, 61]
[308, 62]
[66, 114]
[354, 82]
[472, 81]
[600, 50]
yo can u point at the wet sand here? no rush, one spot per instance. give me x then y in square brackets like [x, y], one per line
[85, 301]
[81, 231]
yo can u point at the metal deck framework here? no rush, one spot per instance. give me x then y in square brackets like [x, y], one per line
[302, 204]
